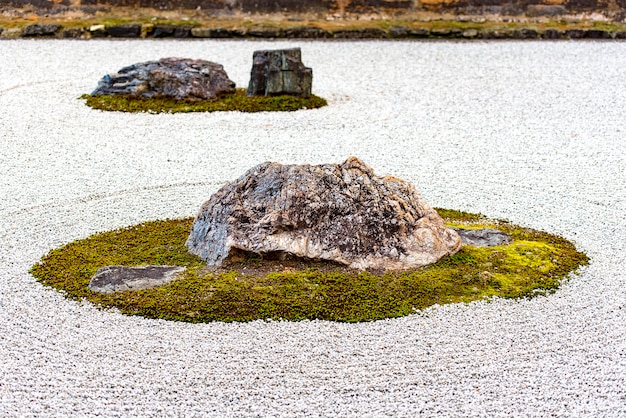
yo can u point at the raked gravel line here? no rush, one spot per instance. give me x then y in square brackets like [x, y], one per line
[530, 131]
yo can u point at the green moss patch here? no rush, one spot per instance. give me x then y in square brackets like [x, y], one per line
[252, 288]
[235, 102]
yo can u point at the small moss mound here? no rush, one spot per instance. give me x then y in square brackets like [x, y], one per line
[238, 101]
[252, 288]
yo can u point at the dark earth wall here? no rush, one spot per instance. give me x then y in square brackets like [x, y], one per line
[504, 7]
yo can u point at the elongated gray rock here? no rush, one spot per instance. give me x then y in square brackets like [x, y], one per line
[486, 237]
[339, 212]
[41, 30]
[178, 78]
[279, 71]
[110, 279]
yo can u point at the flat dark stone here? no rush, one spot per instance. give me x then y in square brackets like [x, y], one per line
[221, 33]
[499, 34]
[41, 30]
[597, 34]
[110, 279]
[124, 31]
[367, 33]
[440, 32]
[182, 32]
[73, 33]
[163, 31]
[525, 34]
[264, 33]
[399, 31]
[575, 33]
[552, 34]
[306, 32]
[419, 33]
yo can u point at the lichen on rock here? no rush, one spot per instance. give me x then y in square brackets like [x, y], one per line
[338, 212]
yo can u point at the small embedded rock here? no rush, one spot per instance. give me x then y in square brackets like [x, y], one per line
[130, 30]
[41, 30]
[97, 31]
[597, 34]
[73, 33]
[214, 33]
[110, 279]
[575, 33]
[525, 34]
[552, 34]
[399, 31]
[265, 33]
[470, 33]
[306, 32]
[11, 33]
[420, 33]
[365, 33]
[182, 32]
[163, 31]
[486, 237]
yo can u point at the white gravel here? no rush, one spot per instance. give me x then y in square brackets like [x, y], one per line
[529, 131]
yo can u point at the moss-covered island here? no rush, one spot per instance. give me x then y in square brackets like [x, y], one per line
[238, 101]
[251, 288]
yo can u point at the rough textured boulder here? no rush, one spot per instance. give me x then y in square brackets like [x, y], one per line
[178, 78]
[111, 279]
[279, 71]
[486, 237]
[339, 212]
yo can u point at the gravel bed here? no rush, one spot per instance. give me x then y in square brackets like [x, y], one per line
[529, 131]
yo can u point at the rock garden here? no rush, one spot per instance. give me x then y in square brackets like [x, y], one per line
[293, 242]
[279, 81]
[319, 262]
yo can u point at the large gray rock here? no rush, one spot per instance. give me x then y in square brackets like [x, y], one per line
[339, 212]
[279, 71]
[111, 279]
[178, 78]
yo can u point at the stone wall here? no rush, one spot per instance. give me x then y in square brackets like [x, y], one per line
[610, 8]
